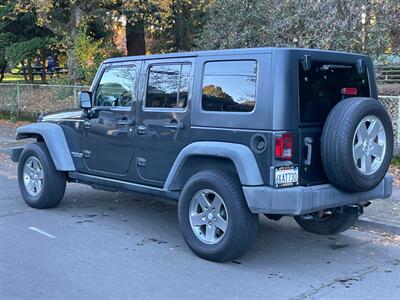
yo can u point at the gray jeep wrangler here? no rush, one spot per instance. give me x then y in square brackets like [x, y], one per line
[228, 134]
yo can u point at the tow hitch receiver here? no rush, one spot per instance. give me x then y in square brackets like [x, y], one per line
[355, 209]
[352, 209]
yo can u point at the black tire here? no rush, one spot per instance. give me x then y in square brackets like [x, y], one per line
[53, 186]
[333, 224]
[337, 144]
[242, 225]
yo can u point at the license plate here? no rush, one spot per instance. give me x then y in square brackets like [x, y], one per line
[286, 176]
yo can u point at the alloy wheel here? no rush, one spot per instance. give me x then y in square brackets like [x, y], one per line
[33, 176]
[208, 216]
[369, 145]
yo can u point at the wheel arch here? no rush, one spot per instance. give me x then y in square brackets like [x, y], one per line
[54, 138]
[198, 156]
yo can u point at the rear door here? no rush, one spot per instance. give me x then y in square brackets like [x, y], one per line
[163, 125]
[320, 89]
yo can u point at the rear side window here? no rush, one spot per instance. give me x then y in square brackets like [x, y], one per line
[321, 88]
[229, 86]
[168, 86]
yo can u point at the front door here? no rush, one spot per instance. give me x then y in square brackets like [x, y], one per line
[163, 119]
[109, 133]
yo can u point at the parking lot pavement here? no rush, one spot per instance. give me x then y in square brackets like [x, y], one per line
[102, 245]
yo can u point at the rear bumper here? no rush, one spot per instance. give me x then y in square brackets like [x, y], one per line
[303, 200]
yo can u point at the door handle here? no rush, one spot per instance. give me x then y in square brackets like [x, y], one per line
[86, 124]
[308, 142]
[174, 125]
[141, 130]
[125, 122]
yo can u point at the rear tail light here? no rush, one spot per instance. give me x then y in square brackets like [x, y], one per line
[350, 91]
[284, 146]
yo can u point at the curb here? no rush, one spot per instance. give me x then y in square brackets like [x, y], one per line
[6, 148]
[6, 151]
[395, 192]
[368, 224]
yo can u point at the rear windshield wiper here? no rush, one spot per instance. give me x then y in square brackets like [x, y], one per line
[328, 67]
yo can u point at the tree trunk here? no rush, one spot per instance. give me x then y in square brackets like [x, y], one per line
[23, 68]
[73, 65]
[3, 69]
[394, 35]
[179, 27]
[31, 76]
[43, 75]
[135, 42]
[70, 31]
[3, 62]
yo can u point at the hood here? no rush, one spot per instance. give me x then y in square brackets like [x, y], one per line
[62, 115]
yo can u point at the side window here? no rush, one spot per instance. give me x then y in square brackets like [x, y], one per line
[116, 87]
[168, 86]
[229, 86]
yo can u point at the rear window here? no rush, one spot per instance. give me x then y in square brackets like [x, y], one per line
[229, 86]
[321, 88]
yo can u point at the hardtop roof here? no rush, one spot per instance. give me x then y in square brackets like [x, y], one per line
[241, 51]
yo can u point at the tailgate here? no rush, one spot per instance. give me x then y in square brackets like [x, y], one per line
[321, 87]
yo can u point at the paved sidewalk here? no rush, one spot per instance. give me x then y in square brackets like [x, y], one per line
[384, 215]
[381, 215]
[7, 139]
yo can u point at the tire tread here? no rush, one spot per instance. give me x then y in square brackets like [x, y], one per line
[337, 133]
[246, 222]
[55, 181]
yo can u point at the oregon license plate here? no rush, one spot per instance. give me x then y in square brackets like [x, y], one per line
[286, 176]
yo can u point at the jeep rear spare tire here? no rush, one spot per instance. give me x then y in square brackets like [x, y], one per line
[357, 144]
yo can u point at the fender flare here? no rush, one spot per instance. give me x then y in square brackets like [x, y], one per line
[241, 155]
[55, 140]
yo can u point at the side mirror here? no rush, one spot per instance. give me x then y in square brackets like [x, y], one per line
[85, 99]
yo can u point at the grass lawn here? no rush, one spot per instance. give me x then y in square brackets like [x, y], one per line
[11, 78]
[396, 161]
[14, 78]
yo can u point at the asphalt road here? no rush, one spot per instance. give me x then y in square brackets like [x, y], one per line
[102, 245]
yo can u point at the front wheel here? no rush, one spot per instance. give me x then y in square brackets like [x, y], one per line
[41, 185]
[329, 224]
[214, 218]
